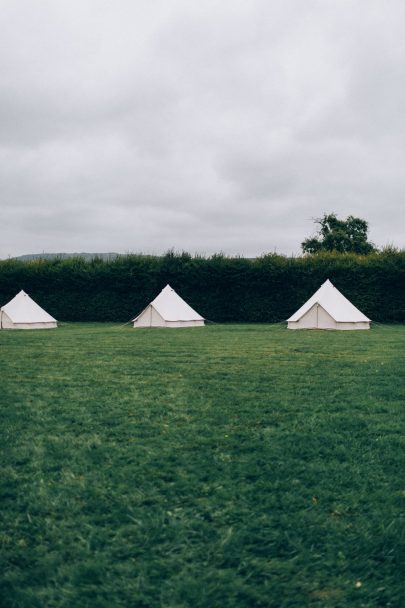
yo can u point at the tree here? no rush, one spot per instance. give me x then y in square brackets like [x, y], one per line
[344, 236]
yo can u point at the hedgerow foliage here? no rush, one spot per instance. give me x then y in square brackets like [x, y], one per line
[266, 289]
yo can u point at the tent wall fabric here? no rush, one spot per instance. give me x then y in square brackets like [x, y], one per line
[168, 309]
[23, 313]
[328, 309]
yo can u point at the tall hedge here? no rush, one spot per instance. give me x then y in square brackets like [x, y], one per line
[266, 289]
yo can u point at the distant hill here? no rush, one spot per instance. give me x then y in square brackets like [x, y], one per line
[62, 256]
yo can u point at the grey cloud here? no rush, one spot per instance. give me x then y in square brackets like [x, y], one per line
[138, 126]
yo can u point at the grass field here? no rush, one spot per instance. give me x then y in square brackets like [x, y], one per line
[216, 467]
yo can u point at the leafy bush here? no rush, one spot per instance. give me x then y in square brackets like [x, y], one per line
[266, 289]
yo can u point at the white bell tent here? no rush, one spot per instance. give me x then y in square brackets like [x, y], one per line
[23, 313]
[328, 309]
[168, 309]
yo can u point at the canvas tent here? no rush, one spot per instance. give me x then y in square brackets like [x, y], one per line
[168, 309]
[328, 309]
[23, 313]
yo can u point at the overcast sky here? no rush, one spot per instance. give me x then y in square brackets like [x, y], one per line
[205, 126]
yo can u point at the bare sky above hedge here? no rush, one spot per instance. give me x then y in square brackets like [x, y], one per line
[134, 125]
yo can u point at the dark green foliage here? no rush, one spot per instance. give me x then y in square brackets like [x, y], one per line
[218, 467]
[343, 236]
[265, 289]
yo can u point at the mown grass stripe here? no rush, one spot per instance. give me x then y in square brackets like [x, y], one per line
[220, 466]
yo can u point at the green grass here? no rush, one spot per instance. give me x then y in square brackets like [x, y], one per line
[216, 467]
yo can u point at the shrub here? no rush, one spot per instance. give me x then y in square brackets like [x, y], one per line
[266, 289]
